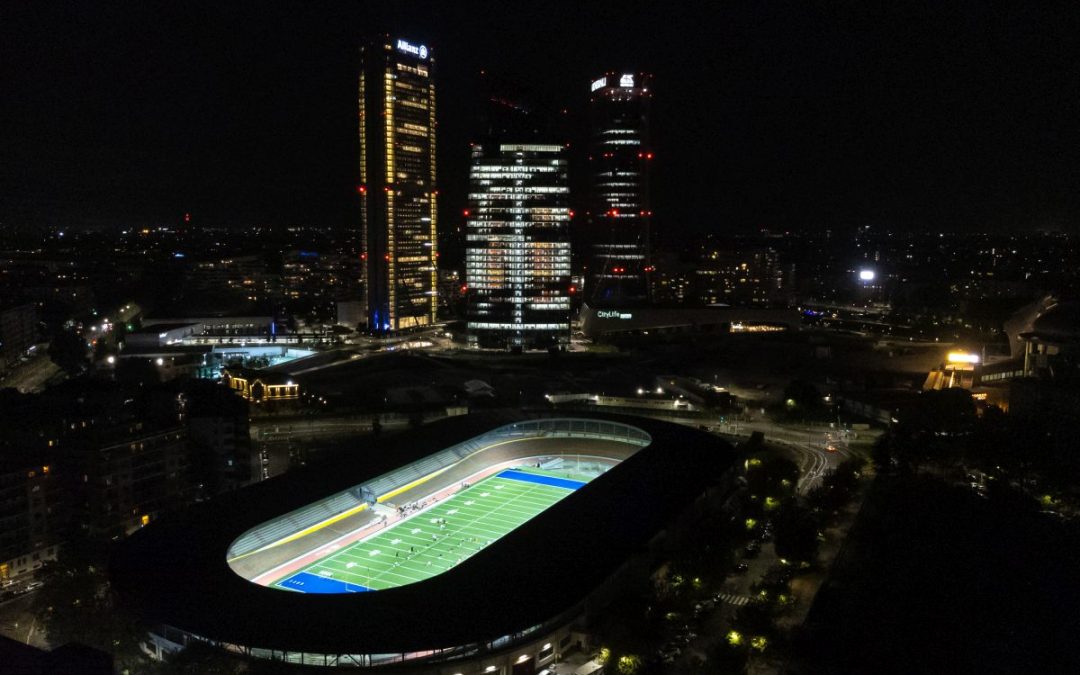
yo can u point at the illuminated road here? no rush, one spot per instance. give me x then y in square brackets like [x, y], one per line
[807, 445]
[316, 427]
[18, 621]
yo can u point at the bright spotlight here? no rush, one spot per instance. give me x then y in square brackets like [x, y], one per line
[962, 357]
[866, 275]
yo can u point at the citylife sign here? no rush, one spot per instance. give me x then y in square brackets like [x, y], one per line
[626, 81]
[612, 314]
[409, 48]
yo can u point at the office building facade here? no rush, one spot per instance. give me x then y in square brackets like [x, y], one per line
[18, 332]
[739, 275]
[517, 249]
[620, 209]
[399, 245]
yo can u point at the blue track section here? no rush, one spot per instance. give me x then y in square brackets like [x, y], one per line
[543, 480]
[306, 582]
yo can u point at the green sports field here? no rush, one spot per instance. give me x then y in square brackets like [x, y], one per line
[436, 539]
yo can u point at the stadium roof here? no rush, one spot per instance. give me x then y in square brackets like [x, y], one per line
[175, 571]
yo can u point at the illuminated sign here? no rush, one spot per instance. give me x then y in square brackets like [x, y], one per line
[409, 48]
[626, 81]
[962, 357]
[599, 84]
[612, 314]
[866, 275]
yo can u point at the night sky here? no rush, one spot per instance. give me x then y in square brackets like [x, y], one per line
[802, 116]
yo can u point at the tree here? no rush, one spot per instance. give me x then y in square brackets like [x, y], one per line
[628, 664]
[796, 531]
[137, 373]
[76, 604]
[68, 351]
[882, 453]
[773, 476]
[803, 401]
[726, 658]
[629, 627]
[941, 427]
[838, 486]
[755, 618]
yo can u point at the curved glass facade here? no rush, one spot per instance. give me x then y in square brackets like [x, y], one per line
[621, 213]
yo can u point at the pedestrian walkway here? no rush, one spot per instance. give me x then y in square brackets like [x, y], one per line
[736, 600]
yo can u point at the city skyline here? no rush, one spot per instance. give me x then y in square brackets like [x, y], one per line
[492, 338]
[947, 118]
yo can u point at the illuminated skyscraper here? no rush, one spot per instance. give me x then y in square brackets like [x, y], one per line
[620, 209]
[397, 184]
[517, 248]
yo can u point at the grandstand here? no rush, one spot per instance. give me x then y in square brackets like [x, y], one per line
[352, 513]
[529, 516]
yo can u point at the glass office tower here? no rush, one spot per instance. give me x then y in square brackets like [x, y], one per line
[620, 209]
[397, 184]
[517, 248]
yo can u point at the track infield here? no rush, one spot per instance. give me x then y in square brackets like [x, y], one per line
[437, 538]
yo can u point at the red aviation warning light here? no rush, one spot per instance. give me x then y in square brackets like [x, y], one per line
[362, 189]
[187, 217]
[363, 256]
[465, 212]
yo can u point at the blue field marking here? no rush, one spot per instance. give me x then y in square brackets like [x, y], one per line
[542, 480]
[306, 582]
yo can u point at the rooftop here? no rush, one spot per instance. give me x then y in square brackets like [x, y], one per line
[176, 573]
